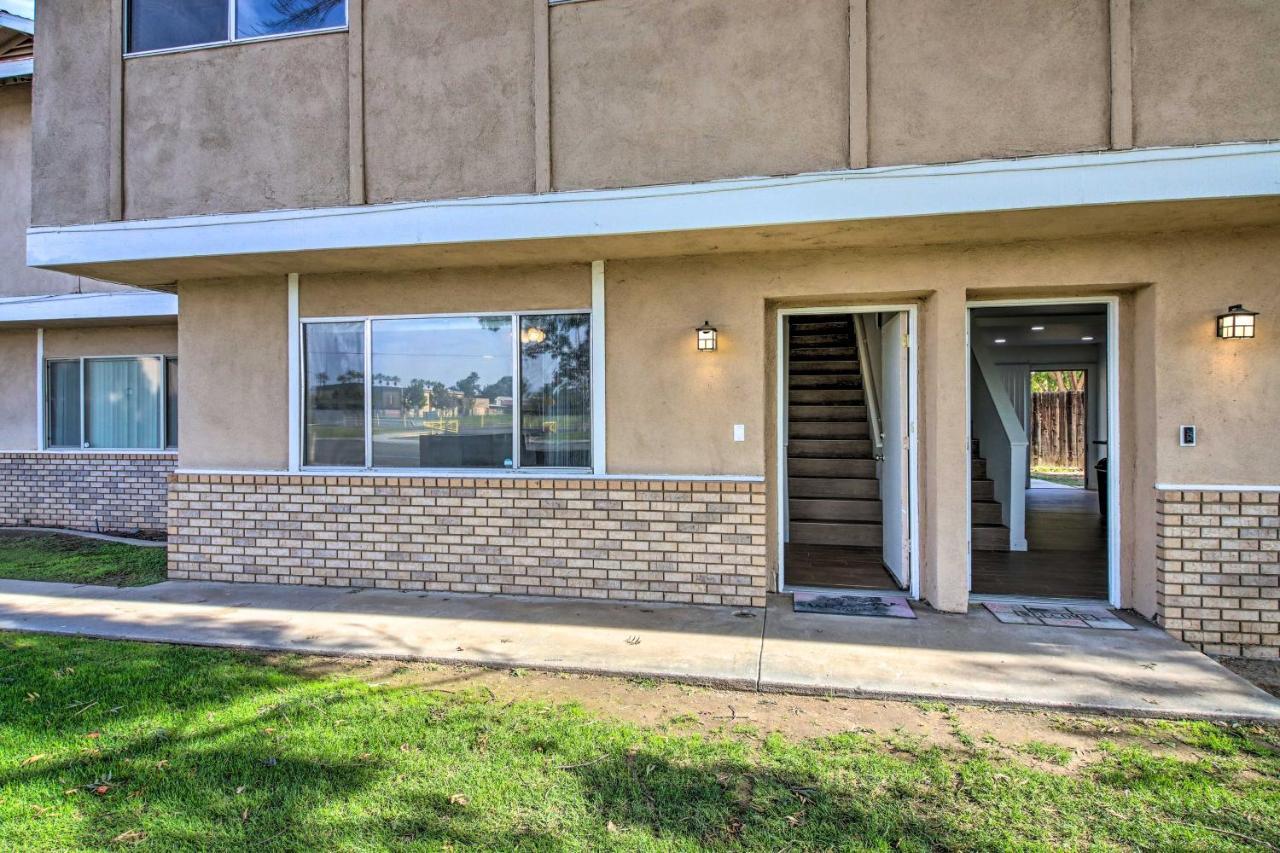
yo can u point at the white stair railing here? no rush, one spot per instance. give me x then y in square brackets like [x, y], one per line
[1003, 443]
[870, 392]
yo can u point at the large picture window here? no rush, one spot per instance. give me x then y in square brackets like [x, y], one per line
[166, 24]
[488, 391]
[112, 403]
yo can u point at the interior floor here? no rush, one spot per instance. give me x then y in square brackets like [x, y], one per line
[1066, 552]
[837, 566]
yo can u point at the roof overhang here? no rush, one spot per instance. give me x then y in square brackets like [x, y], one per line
[89, 309]
[17, 22]
[940, 204]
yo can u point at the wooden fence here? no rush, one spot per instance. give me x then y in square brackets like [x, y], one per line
[1058, 429]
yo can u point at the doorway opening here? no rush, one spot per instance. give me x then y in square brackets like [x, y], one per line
[846, 407]
[1042, 417]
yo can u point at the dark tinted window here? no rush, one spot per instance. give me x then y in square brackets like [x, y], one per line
[160, 24]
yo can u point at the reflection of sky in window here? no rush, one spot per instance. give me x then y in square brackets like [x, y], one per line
[270, 17]
[443, 349]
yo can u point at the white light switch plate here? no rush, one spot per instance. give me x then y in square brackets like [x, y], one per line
[739, 432]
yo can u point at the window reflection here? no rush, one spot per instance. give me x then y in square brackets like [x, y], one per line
[555, 391]
[335, 394]
[276, 17]
[442, 395]
[160, 24]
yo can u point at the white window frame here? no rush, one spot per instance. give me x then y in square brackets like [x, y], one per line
[516, 467]
[231, 33]
[84, 447]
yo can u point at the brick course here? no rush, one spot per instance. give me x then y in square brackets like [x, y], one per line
[1218, 570]
[693, 542]
[85, 491]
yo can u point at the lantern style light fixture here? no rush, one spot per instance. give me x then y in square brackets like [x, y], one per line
[1236, 323]
[706, 337]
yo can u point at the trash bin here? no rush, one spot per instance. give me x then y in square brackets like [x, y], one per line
[1100, 468]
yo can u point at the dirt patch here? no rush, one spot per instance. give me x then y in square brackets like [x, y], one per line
[1054, 741]
[1263, 673]
[59, 542]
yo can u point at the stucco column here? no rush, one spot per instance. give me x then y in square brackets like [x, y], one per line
[944, 459]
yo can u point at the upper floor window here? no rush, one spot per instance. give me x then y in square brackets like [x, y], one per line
[169, 24]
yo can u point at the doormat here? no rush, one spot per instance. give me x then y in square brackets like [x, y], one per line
[892, 606]
[1058, 616]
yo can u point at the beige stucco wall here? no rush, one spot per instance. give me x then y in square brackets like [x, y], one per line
[72, 121]
[656, 91]
[233, 373]
[242, 127]
[111, 340]
[18, 389]
[446, 291]
[448, 98]
[966, 80]
[1205, 69]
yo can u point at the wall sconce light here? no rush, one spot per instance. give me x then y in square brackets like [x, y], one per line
[706, 337]
[1236, 323]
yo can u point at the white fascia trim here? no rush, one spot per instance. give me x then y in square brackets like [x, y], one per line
[1236, 170]
[12, 68]
[87, 307]
[1213, 487]
[469, 474]
[17, 22]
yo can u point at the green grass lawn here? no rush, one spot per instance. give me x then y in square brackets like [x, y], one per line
[107, 744]
[1061, 476]
[71, 559]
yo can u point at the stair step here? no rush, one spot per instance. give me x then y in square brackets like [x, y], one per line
[798, 466]
[817, 381]
[834, 509]
[831, 487]
[978, 469]
[821, 324]
[811, 448]
[820, 339]
[989, 538]
[836, 533]
[983, 490]
[830, 429]
[833, 412]
[806, 368]
[820, 396]
[986, 512]
[804, 354]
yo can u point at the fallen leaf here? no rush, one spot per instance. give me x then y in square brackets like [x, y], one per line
[94, 735]
[160, 765]
[31, 697]
[27, 762]
[71, 791]
[611, 826]
[102, 790]
[459, 799]
[404, 747]
[268, 730]
[133, 836]
[240, 789]
[244, 816]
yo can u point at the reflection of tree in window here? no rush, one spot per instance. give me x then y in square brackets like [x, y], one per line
[272, 17]
[555, 377]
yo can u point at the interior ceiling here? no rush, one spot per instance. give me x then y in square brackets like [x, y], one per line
[1062, 325]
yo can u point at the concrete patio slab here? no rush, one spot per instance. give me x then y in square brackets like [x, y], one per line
[968, 659]
[976, 658]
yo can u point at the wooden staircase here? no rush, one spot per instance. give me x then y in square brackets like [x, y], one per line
[989, 532]
[833, 493]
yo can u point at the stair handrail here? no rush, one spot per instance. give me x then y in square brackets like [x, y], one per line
[871, 393]
[1014, 481]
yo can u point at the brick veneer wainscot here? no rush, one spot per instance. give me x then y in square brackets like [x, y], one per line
[693, 542]
[1218, 570]
[85, 491]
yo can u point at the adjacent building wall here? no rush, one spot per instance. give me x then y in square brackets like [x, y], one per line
[456, 98]
[104, 492]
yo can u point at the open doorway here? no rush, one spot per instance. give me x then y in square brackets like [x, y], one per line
[846, 437]
[1041, 419]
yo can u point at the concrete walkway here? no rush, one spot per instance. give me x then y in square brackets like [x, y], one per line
[957, 658]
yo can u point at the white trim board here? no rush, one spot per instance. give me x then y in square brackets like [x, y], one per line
[1234, 170]
[73, 307]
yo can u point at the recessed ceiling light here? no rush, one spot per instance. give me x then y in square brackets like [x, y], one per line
[1087, 338]
[1001, 341]
[1037, 328]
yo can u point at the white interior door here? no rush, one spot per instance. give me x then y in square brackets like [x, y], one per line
[894, 471]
